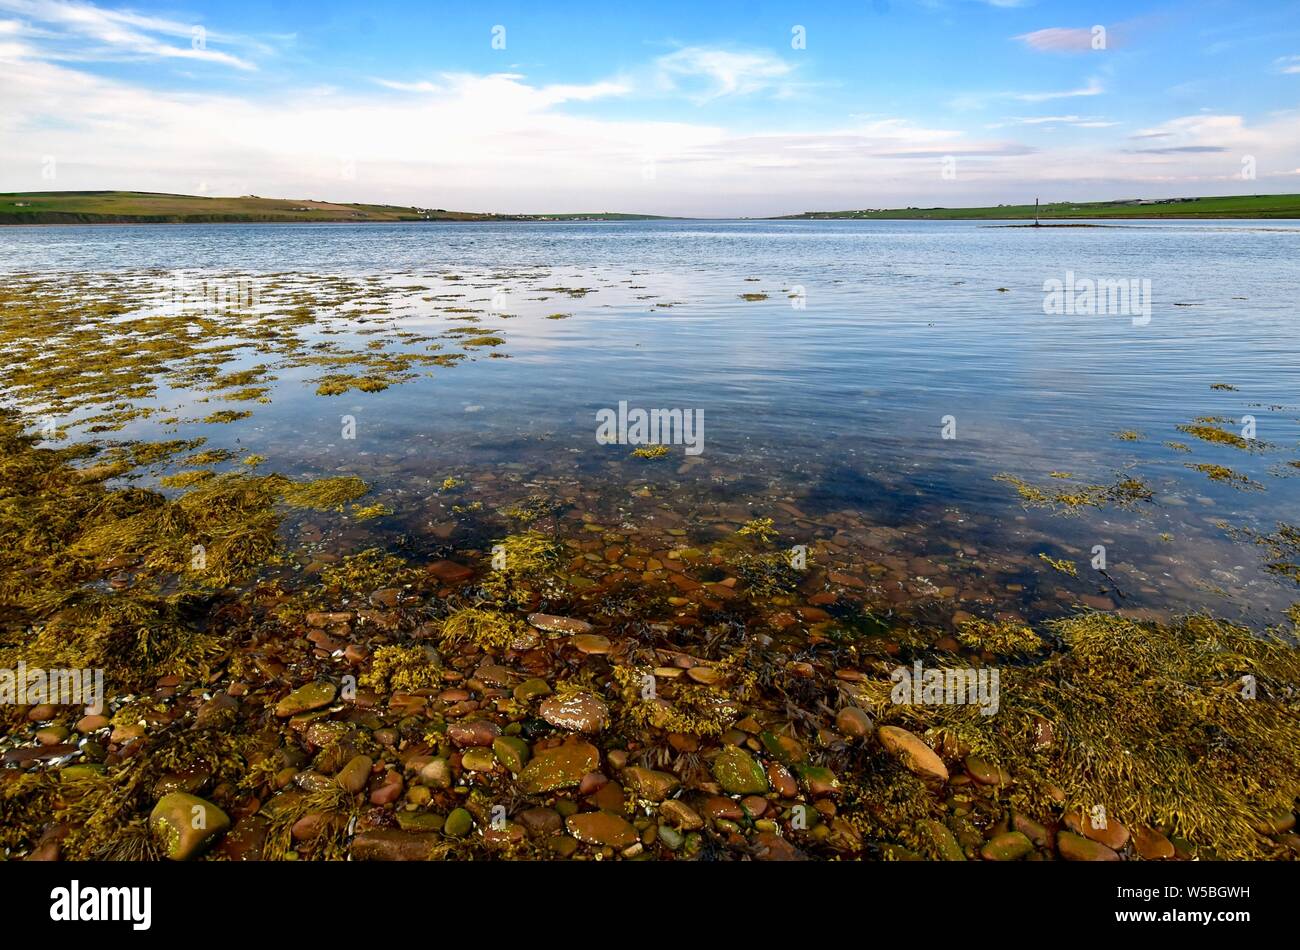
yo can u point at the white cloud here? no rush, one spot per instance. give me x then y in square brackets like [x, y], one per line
[1082, 122]
[1288, 64]
[1058, 39]
[1093, 88]
[704, 73]
[76, 31]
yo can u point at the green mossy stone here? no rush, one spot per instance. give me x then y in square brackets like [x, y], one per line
[512, 752]
[941, 841]
[738, 772]
[458, 824]
[1008, 846]
[185, 824]
[560, 767]
[306, 699]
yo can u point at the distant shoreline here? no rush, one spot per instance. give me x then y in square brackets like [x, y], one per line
[79, 208]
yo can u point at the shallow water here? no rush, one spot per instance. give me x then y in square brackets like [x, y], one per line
[823, 403]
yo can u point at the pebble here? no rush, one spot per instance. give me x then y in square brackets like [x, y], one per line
[783, 782]
[681, 815]
[986, 772]
[853, 723]
[355, 774]
[1075, 847]
[306, 698]
[478, 759]
[602, 828]
[941, 840]
[458, 824]
[738, 772]
[1151, 844]
[52, 735]
[1008, 846]
[914, 754]
[388, 792]
[553, 624]
[650, 784]
[449, 572]
[92, 723]
[388, 845]
[772, 847]
[512, 752]
[592, 644]
[478, 732]
[530, 689]
[818, 780]
[559, 767]
[577, 712]
[185, 824]
[541, 822]
[1113, 835]
[41, 712]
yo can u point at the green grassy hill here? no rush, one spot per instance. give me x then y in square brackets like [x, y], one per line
[1237, 206]
[141, 207]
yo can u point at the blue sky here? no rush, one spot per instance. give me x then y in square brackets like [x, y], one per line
[679, 108]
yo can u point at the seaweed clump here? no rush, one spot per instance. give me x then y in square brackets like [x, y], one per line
[998, 637]
[1191, 726]
[488, 629]
[403, 669]
[521, 563]
[1124, 492]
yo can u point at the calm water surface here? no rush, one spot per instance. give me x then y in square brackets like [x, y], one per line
[823, 401]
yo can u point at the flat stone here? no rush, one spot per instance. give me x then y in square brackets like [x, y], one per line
[478, 759]
[772, 847]
[29, 754]
[541, 822]
[1152, 845]
[92, 723]
[577, 712]
[449, 572]
[602, 828]
[986, 772]
[1112, 834]
[388, 845]
[818, 780]
[1074, 847]
[914, 754]
[681, 814]
[559, 767]
[592, 644]
[649, 783]
[1008, 846]
[530, 689]
[419, 822]
[306, 698]
[553, 624]
[478, 732]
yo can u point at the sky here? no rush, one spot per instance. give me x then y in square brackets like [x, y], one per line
[682, 108]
